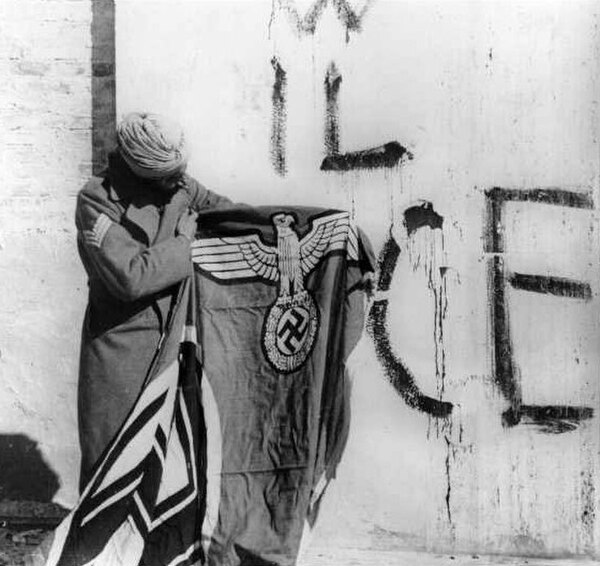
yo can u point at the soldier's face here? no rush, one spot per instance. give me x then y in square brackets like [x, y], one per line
[170, 184]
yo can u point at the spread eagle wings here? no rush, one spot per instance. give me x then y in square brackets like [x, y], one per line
[241, 257]
[236, 257]
[330, 233]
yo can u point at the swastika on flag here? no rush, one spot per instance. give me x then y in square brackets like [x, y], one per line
[289, 332]
[292, 330]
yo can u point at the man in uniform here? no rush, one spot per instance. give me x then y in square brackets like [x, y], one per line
[135, 226]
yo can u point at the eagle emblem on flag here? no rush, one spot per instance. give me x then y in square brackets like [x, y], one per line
[293, 320]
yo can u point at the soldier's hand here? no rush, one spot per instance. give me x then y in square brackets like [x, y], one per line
[187, 224]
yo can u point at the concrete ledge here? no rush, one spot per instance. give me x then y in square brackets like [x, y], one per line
[364, 557]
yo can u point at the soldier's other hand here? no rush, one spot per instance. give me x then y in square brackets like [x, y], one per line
[187, 224]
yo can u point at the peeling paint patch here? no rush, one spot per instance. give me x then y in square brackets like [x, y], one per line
[417, 216]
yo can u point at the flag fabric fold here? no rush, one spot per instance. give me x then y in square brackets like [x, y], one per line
[144, 504]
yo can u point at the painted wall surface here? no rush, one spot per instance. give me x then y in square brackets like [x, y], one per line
[476, 392]
[45, 151]
[481, 95]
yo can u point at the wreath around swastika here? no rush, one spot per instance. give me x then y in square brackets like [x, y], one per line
[289, 332]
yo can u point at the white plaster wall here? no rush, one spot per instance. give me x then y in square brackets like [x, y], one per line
[483, 94]
[45, 150]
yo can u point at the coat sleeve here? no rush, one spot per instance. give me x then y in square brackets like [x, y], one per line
[128, 269]
[203, 198]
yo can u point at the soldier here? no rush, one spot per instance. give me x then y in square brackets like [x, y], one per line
[135, 226]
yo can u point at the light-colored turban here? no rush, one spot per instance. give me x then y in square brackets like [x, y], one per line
[153, 146]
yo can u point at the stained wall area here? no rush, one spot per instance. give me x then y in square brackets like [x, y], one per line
[463, 138]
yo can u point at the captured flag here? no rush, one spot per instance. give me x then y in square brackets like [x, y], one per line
[280, 307]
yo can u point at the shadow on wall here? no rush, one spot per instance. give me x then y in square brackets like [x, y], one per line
[24, 475]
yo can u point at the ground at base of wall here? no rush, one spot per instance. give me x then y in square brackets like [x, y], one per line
[366, 557]
[23, 526]
[18, 544]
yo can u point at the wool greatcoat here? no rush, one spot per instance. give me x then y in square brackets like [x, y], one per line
[126, 236]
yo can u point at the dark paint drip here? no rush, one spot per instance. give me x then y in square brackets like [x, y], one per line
[279, 119]
[417, 216]
[380, 157]
[350, 18]
[551, 419]
[426, 251]
[588, 508]
[397, 373]
[559, 286]
[440, 298]
[333, 80]
[448, 481]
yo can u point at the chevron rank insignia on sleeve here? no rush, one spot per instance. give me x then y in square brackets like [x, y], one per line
[95, 236]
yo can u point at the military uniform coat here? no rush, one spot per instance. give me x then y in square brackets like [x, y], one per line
[126, 236]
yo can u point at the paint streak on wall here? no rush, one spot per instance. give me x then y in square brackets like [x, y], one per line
[384, 156]
[350, 17]
[426, 252]
[396, 371]
[333, 81]
[278, 118]
[551, 418]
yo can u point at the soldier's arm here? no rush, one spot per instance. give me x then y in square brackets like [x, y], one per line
[205, 199]
[128, 269]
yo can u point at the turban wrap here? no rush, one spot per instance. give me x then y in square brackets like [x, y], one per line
[153, 146]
